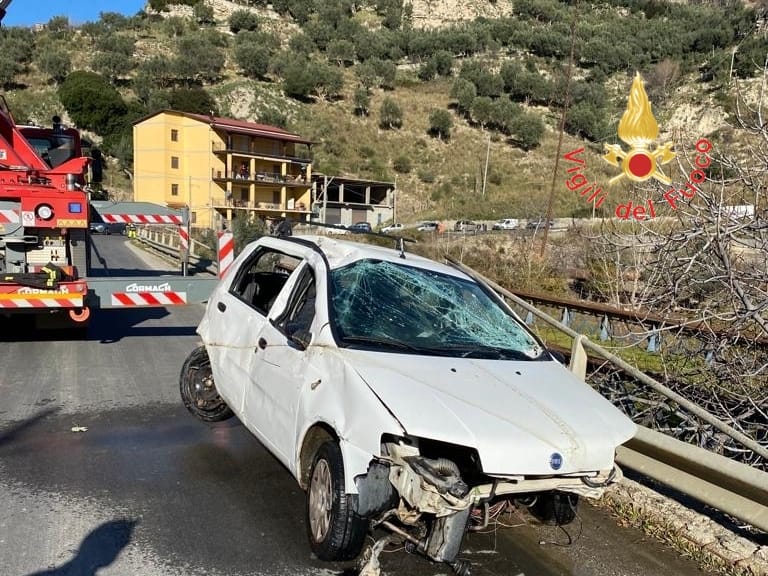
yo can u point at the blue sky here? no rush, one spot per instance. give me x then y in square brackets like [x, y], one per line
[29, 12]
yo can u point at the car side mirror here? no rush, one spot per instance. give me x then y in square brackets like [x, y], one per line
[298, 336]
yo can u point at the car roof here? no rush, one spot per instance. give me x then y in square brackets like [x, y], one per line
[340, 253]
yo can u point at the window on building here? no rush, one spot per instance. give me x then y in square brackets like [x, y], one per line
[174, 135]
[175, 162]
[194, 217]
[174, 189]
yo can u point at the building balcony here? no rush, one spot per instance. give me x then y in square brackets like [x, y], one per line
[258, 178]
[267, 208]
[244, 151]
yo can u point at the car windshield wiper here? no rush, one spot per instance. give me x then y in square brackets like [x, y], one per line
[486, 352]
[381, 341]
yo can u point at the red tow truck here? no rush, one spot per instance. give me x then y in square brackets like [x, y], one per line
[45, 243]
[44, 214]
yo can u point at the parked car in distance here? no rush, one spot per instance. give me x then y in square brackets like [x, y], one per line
[506, 224]
[116, 228]
[427, 227]
[335, 229]
[360, 227]
[99, 228]
[393, 228]
[536, 223]
[466, 226]
[401, 394]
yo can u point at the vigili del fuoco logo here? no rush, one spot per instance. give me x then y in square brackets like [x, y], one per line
[644, 160]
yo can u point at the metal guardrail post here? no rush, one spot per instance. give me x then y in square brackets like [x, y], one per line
[578, 364]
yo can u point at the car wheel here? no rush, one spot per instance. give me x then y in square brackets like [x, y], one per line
[556, 508]
[198, 390]
[334, 529]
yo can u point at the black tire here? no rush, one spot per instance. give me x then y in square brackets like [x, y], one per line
[198, 390]
[334, 529]
[556, 508]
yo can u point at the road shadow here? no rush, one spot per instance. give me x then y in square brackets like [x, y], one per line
[98, 549]
[8, 435]
[112, 325]
[106, 326]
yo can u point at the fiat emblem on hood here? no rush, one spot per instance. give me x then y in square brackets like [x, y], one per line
[556, 461]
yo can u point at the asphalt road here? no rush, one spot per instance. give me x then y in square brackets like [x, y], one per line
[103, 472]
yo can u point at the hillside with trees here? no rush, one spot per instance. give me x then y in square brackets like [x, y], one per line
[391, 95]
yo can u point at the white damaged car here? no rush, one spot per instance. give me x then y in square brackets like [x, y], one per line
[401, 394]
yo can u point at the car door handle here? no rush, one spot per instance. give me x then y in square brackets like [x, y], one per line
[262, 343]
[221, 306]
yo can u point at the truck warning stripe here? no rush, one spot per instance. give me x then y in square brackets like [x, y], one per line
[9, 216]
[183, 238]
[28, 301]
[141, 218]
[149, 298]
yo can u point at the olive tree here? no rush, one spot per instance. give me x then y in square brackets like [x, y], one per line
[440, 124]
[390, 114]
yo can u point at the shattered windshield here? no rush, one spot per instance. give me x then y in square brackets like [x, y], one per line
[388, 306]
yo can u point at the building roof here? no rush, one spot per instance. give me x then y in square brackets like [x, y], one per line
[237, 126]
[335, 180]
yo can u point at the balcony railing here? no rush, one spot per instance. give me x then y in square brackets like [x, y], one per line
[265, 177]
[257, 205]
[219, 148]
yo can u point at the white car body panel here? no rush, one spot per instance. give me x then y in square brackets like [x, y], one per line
[516, 414]
[344, 402]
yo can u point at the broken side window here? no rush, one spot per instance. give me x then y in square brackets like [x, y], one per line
[260, 280]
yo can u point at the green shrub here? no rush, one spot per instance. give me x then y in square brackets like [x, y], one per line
[402, 164]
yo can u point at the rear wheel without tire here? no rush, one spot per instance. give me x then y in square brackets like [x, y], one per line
[334, 529]
[198, 390]
[556, 508]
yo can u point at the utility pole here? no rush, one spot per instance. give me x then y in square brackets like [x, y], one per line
[566, 104]
[485, 170]
[325, 198]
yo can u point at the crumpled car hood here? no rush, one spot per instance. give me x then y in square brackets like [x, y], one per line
[522, 417]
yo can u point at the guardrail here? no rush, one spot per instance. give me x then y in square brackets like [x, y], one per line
[652, 325]
[732, 487]
[164, 243]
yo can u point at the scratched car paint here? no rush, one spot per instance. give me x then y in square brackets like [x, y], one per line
[398, 391]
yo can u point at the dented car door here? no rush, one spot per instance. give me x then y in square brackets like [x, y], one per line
[281, 369]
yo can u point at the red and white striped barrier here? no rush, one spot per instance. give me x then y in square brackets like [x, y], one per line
[183, 239]
[120, 299]
[226, 252]
[141, 219]
[9, 217]
[41, 300]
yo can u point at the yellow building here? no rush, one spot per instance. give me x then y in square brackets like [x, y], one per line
[221, 168]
